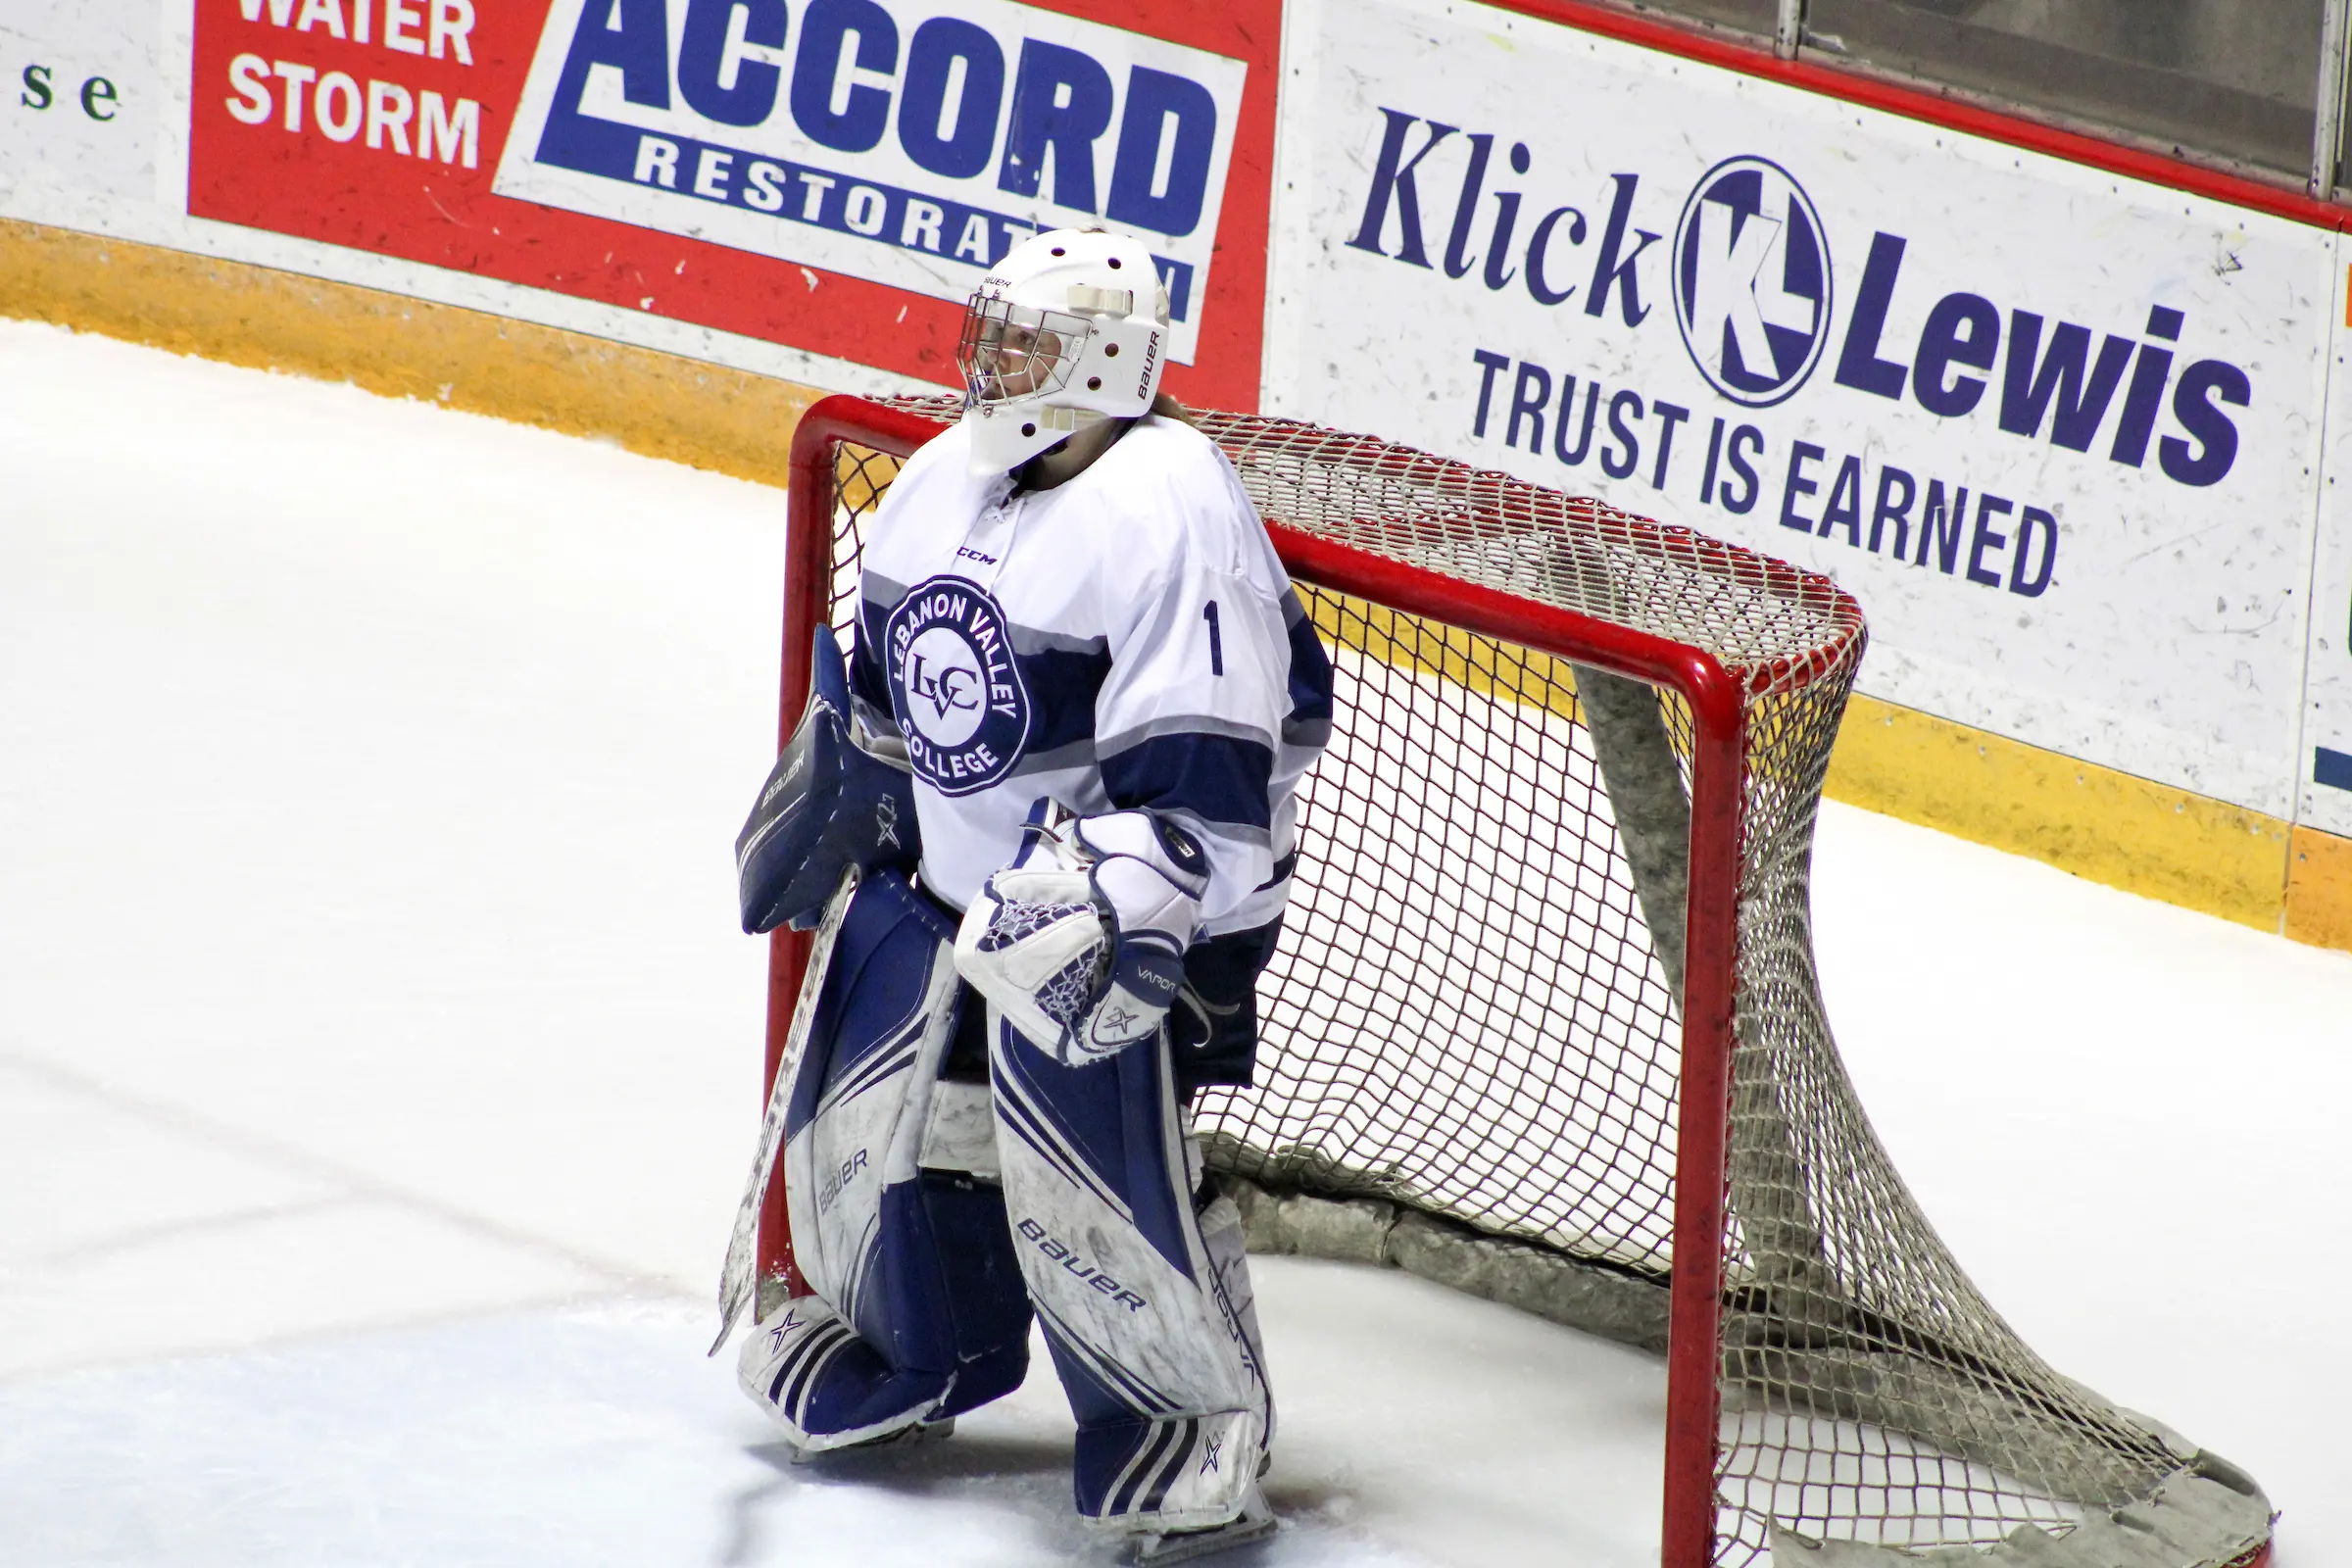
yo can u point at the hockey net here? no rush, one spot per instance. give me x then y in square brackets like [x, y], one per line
[1569, 803]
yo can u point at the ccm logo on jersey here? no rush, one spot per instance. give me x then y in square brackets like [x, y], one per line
[1071, 1258]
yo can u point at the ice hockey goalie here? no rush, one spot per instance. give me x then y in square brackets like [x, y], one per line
[1050, 799]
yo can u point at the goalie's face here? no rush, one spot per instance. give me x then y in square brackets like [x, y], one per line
[1014, 351]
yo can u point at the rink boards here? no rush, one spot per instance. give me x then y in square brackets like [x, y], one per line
[2063, 418]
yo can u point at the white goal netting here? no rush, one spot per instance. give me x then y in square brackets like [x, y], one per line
[1495, 1076]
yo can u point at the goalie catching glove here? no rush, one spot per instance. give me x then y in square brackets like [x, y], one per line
[1080, 942]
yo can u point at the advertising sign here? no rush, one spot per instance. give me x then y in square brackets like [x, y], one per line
[2061, 431]
[2324, 766]
[80, 95]
[834, 174]
[2054, 429]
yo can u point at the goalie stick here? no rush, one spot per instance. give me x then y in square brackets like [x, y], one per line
[737, 1282]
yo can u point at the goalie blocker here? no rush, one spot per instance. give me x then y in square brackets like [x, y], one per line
[829, 804]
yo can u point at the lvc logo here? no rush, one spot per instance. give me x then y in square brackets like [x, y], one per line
[1751, 281]
[941, 673]
[955, 685]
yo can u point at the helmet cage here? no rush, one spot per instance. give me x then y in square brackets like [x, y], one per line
[1009, 352]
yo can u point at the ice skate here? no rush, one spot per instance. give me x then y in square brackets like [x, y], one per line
[1256, 1522]
[920, 1435]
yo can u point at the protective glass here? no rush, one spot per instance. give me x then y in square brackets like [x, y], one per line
[2217, 76]
[1017, 351]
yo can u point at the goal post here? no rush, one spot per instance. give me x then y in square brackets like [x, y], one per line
[1600, 1086]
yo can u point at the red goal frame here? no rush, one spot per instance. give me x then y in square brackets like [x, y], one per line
[1714, 695]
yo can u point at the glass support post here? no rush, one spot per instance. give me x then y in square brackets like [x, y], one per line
[1789, 28]
[2327, 123]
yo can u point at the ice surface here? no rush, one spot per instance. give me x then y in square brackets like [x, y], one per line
[379, 1060]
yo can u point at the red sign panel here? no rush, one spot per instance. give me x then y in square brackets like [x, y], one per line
[832, 176]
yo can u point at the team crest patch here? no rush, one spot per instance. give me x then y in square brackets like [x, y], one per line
[953, 685]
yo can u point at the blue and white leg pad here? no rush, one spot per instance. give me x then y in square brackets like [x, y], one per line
[827, 1386]
[916, 1310]
[1144, 1299]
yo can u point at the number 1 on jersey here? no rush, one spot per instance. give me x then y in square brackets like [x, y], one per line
[1216, 643]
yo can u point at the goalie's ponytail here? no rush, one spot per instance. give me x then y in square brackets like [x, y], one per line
[1165, 406]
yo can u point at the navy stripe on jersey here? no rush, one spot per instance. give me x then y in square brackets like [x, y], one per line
[1221, 779]
[1062, 688]
[868, 682]
[878, 596]
[1310, 681]
[1063, 675]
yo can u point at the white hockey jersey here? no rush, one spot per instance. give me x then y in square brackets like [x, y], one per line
[1127, 639]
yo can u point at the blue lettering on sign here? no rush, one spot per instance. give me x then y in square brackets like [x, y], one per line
[2331, 767]
[1180, 111]
[2052, 384]
[703, 60]
[1061, 105]
[830, 29]
[951, 90]
[951, 139]
[1752, 287]
[1996, 543]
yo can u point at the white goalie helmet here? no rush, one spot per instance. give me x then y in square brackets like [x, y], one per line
[1069, 328]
